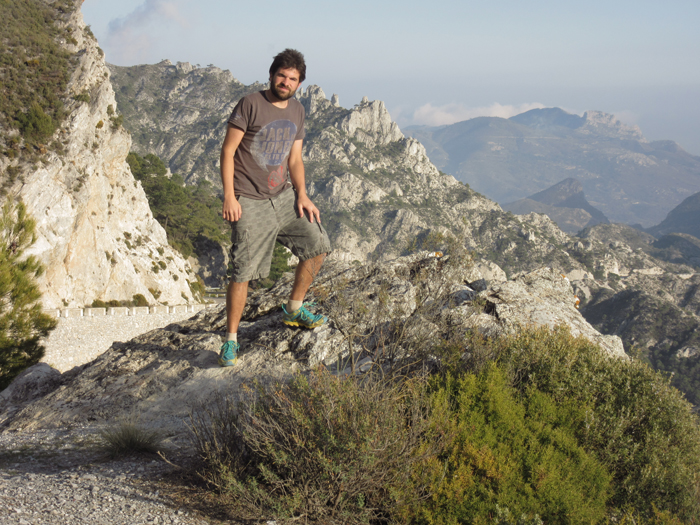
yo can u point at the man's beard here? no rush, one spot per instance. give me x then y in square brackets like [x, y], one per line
[282, 95]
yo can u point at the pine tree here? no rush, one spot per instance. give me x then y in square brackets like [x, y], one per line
[22, 323]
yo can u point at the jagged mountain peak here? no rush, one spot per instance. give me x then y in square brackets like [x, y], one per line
[684, 218]
[608, 125]
[565, 203]
[559, 193]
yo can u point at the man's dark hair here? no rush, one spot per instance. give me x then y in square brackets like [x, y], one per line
[289, 58]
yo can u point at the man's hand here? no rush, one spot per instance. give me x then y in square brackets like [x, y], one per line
[305, 204]
[231, 209]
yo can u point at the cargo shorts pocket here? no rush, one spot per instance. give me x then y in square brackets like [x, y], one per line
[239, 255]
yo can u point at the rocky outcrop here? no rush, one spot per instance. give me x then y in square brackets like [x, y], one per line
[381, 197]
[406, 302]
[179, 112]
[605, 124]
[96, 234]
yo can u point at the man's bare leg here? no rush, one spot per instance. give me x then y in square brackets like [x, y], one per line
[305, 273]
[236, 297]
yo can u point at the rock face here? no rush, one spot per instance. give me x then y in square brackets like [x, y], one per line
[179, 112]
[628, 178]
[406, 302]
[642, 294]
[564, 203]
[96, 235]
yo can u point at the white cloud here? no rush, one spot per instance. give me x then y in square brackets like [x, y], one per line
[129, 40]
[450, 113]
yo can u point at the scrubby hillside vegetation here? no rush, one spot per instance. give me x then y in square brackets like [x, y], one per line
[538, 427]
[34, 72]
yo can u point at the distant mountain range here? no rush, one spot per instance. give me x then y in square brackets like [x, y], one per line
[626, 177]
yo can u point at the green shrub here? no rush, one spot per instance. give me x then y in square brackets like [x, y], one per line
[510, 454]
[185, 212]
[22, 323]
[99, 303]
[36, 125]
[325, 448]
[117, 121]
[634, 422]
[82, 97]
[140, 300]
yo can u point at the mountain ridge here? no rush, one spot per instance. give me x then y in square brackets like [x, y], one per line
[621, 172]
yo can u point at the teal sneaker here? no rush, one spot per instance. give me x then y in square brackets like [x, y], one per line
[302, 317]
[229, 353]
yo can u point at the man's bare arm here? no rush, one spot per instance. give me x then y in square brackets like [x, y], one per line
[231, 209]
[298, 178]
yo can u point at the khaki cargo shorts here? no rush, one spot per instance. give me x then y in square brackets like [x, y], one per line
[263, 222]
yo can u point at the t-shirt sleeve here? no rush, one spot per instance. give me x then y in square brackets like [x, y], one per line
[240, 117]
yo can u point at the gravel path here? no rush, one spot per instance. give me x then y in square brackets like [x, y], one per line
[79, 340]
[60, 476]
[48, 477]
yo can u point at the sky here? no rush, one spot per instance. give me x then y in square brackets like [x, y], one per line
[440, 61]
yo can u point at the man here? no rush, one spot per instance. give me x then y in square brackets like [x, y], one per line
[265, 196]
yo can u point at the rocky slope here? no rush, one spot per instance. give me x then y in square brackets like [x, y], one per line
[162, 375]
[96, 235]
[652, 304]
[179, 113]
[628, 178]
[381, 197]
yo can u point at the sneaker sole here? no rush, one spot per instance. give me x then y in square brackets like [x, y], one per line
[227, 362]
[302, 325]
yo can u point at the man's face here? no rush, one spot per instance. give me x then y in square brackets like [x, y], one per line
[284, 83]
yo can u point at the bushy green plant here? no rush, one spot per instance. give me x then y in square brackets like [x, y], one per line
[36, 125]
[510, 455]
[140, 300]
[633, 421]
[323, 448]
[22, 322]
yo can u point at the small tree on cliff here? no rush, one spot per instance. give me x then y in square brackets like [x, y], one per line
[22, 323]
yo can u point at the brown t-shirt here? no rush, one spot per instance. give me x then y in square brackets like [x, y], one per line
[260, 162]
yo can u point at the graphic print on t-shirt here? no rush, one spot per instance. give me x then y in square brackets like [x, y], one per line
[273, 143]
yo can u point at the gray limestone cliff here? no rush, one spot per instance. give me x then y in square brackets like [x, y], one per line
[96, 234]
